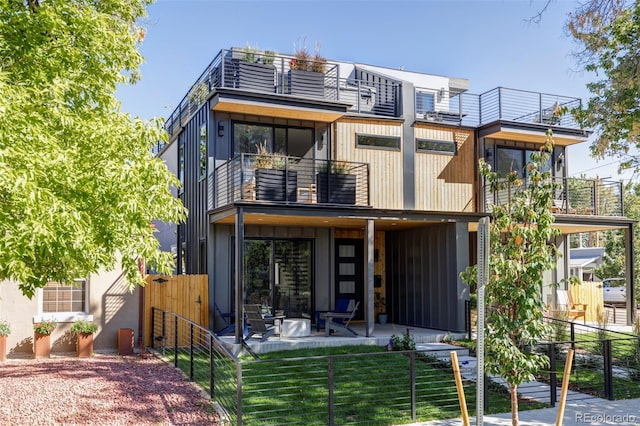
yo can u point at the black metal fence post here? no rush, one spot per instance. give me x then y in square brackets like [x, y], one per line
[164, 330]
[175, 342]
[191, 351]
[608, 370]
[330, 384]
[553, 377]
[212, 371]
[412, 374]
[486, 393]
[467, 317]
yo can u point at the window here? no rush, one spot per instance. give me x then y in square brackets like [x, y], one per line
[58, 297]
[296, 142]
[510, 159]
[425, 102]
[435, 146]
[373, 141]
[203, 152]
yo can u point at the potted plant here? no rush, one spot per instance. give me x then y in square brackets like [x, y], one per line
[42, 338]
[381, 306]
[5, 330]
[306, 72]
[335, 184]
[274, 180]
[84, 331]
[254, 70]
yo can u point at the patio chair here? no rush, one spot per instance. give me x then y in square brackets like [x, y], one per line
[342, 305]
[332, 323]
[573, 310]
[257, 324]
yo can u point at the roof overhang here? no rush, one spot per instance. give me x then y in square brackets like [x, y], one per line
[530, 132]
[278, 106]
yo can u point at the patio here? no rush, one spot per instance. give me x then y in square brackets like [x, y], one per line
[381, 336]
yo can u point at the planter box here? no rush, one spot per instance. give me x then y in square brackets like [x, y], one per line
[125, 341]
[306, 83]
[84, 345]
[276, 185]
[3, 348]
[336, 188]
[255, 77]
[41, 345]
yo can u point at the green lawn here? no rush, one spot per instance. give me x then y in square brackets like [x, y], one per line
[291, 387]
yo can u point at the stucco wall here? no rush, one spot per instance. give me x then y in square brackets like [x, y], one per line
[110, 303]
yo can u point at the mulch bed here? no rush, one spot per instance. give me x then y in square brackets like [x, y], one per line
[103, 390]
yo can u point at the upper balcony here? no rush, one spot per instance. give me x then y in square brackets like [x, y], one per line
[503, 113]
[584, 197]
[289, 180]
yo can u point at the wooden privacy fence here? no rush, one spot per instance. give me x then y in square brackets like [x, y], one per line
[589, 292]
[185, 295]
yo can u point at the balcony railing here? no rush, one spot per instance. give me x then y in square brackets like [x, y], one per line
[288, 180]
[589, 197]
[501, 103]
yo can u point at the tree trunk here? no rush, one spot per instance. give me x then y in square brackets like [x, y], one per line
[514, 405]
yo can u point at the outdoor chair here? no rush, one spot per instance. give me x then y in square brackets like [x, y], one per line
[339, 321]
[257, 324]
[342, 304]
[573, 310]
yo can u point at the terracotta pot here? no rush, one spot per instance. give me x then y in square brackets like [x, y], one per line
[3, 348]
[41, 345]
[84, 344]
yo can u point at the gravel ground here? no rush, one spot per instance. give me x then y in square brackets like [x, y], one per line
[103, 390]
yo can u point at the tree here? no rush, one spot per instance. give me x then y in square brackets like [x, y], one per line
[608, 33]
[521, 250]
[79, 187]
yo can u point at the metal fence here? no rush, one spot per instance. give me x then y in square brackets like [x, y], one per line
[294, 180]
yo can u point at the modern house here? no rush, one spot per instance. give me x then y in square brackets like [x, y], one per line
[309, 181]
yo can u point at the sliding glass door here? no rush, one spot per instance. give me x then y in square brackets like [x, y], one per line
[278, 273]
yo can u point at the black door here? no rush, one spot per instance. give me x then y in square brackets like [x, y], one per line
[350, 272]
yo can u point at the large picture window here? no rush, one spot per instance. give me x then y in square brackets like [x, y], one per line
[510, 159]
[293, 141]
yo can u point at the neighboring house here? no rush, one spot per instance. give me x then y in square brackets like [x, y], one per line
[103, 298]
[584, 261]
[398, 214]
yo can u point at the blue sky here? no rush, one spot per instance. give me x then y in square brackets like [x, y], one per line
[488, 42]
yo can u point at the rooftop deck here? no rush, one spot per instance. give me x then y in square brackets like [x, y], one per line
[366, 91]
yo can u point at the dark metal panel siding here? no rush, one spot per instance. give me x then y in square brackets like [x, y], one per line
[194, 195]
[422, 276]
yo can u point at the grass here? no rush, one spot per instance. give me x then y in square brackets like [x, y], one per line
[370, 385]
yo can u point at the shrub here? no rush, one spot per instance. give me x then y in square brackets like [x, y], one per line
[44, 327]
[5, 328]
[402, 343]
[83, 326]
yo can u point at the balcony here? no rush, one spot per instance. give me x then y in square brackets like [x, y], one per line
[586, 197]
[288, 180]
[519, 107]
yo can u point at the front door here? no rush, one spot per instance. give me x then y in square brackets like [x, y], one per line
[350, 271]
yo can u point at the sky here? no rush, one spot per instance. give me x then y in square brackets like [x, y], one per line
[491, 43]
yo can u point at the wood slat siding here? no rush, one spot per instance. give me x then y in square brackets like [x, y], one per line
[445, 182]
[179, 295]
[589, 292]
[385, 165]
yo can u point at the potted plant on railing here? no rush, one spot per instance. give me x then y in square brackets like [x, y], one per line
[5, 330]
[42, 338]
[306, 72]
[274, 180]
[84, 331]
[381, 306]
[335, 184]
[254, 69]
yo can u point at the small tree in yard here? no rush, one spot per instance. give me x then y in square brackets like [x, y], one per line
[522, 249]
